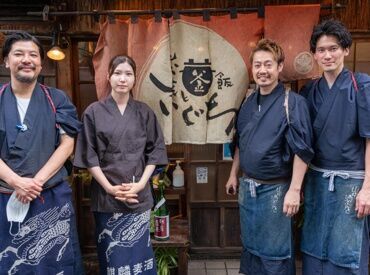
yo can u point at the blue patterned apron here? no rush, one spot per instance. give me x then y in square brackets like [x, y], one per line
[123, 242]
[46, 241]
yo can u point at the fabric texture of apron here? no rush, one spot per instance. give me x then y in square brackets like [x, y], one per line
[46, 241]
[265, 230]
[331, 229]
[123, 242]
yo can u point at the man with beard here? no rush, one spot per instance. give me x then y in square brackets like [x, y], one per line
[335, 235]
[37, 129]
[273, 147]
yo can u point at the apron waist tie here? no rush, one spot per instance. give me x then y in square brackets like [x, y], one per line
[331, 174]
[252, 186]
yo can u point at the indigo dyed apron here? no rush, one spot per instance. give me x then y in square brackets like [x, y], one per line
[331, 230]
[46, 241]
[123, 242]
[265, 230]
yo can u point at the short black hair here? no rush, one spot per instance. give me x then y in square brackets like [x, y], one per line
[20, 36]
[334, 28]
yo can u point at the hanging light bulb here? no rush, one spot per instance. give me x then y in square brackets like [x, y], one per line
[56, 53]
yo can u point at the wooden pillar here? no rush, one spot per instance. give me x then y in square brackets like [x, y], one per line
[64, 73]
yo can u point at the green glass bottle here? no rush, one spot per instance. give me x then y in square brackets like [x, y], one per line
[161, 216]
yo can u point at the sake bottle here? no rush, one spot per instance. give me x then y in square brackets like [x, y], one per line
[161, 217]
[178, 176]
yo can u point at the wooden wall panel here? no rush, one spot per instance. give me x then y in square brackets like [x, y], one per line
[205, 224]
[85, 220]
[87, 95]
[232, 227]
[203, 192]
[34, 27]
[223, 173]
[64, 72]
[190, 4]
[86, 230]
[356, 14]
[83, 24]
[176, 151]
[363, 51]
[48, 67]
[203, 152]
[363, 57]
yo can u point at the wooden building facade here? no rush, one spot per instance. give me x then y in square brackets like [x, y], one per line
[212, 215]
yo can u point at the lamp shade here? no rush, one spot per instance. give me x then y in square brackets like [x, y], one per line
[56, 53]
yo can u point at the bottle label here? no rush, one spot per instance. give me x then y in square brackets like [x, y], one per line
[162, 227]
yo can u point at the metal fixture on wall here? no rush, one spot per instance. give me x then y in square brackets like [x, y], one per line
[110, 14]
[58, 43]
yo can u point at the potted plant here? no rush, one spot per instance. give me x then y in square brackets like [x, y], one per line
[167, 260]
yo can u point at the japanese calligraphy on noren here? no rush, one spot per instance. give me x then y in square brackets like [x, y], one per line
[197, 78]
[197, 99]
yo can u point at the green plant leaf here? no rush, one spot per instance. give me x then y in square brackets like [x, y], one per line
[166, 258]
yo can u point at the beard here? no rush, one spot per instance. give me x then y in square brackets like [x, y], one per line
[25, 79]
